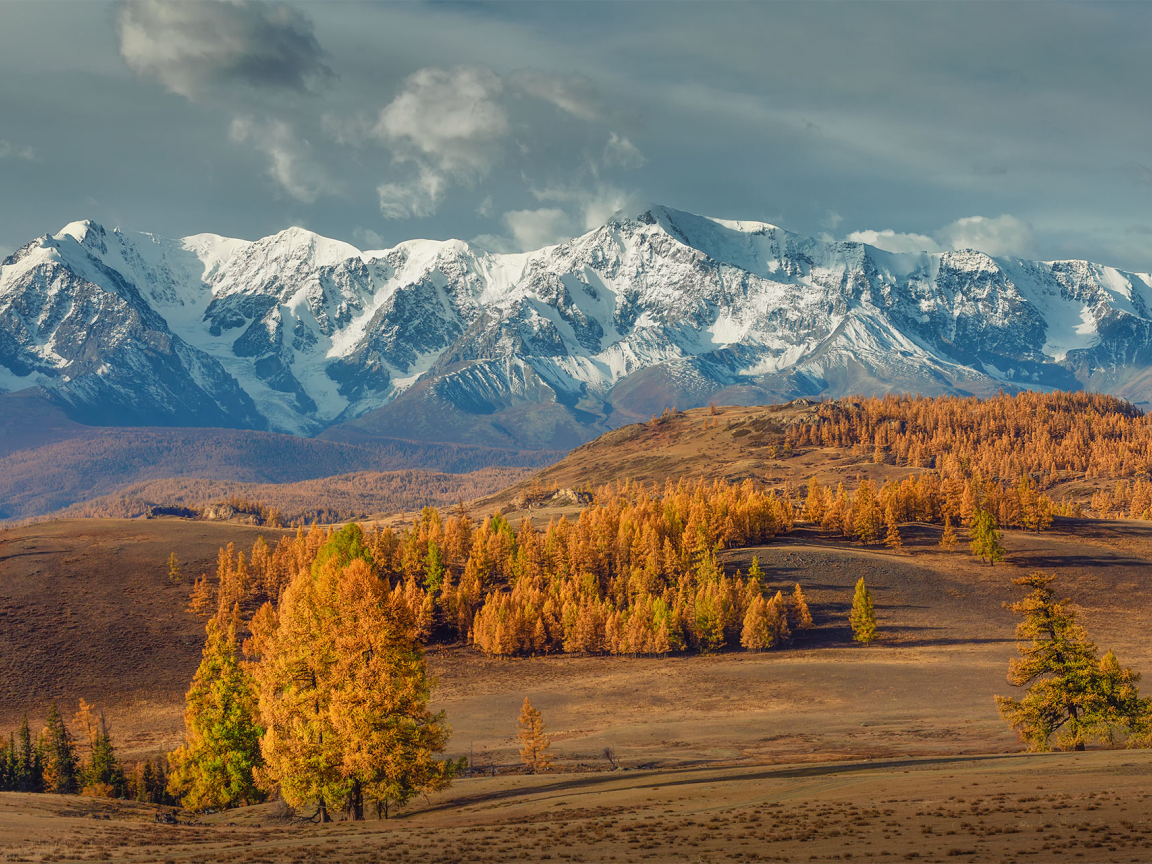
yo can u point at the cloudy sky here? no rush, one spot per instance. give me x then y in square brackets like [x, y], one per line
[1016, 128]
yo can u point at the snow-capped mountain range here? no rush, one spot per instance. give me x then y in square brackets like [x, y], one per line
[442, 340]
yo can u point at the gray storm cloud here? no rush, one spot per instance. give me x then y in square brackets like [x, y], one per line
[192, 47]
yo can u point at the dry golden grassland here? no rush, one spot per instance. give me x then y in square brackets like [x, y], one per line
[1082, 807]
[825, 750]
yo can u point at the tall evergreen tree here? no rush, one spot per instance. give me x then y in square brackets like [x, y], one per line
[756, 574]
[101, 774]
[433, 568]
[985, 538]
[61, 767]
[863, 615]
[8, 765]
[214, 767]
[1071, 697]
[29, 765]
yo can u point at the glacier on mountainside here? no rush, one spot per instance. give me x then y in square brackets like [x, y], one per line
[300, 333]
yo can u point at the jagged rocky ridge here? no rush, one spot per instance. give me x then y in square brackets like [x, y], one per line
[446, 341]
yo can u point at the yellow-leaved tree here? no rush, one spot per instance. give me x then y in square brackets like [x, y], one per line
[343, 690]
[534, 740]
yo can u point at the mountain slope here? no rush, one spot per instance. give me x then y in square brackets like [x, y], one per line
[446, 341]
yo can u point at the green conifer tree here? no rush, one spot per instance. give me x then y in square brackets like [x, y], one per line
[985, 538]
[1071, 697]
[433, 568]
[214, 768]
[29, 768]
[863, 615]
[101, 774]
[61, 767]
[8, 765]
[756, 574]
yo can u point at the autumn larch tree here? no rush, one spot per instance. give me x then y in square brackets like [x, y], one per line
[343, 689]
[801, 616]
[863, 615]
[214, 767]
[985, 539]
[534, 741]
[1072, 697]
[892, 538]
[174, 574]
[948, 537]
[754, 635]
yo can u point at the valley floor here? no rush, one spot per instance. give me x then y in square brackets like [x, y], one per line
[823, 749]
[1089, 807]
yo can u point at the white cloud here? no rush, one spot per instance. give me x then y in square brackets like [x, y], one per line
[15, 151]
[1000, 235]
[368, 239]
[595, 204]
[574, 94]
[892, 241]
[289, 163]
[450, 124]
[450, 116]
[191, 47]
[532, 229]
[622, 152]
[415, 199]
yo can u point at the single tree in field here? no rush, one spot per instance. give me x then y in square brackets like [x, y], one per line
[61, 768]
[214, 767]
[892, 537]
[343, 689]
[863, 615]
[985, 538]
[1071, 697]
[948, 538]
[174, 574]
[534, 740]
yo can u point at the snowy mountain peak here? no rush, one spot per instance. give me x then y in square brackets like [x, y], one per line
[442, 340]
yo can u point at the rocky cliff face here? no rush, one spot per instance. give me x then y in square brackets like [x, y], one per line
[445, 341]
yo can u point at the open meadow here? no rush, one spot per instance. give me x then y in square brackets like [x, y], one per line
[825, 749]
[820, 748]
